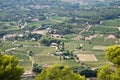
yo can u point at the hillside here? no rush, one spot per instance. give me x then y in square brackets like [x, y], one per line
[74, 33]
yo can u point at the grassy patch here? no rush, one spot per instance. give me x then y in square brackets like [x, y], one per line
[46, 59]
[96, 63]
[28, 43]
[115, 23]
[38, 23]
[100, 57]
[70, 63]
[39, 50]
[87, 46]
[4, 45]
[60, 18]
[102, 29]
[70, 36]
[101, 41]
[21, 55]
[72, 45]
[27, 65]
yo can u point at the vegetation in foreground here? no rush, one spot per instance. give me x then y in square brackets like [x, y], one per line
[111, 72]
[9, 69]
[58, 73]
[41, 32]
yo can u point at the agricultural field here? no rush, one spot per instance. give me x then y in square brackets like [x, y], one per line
[4, 45]
[82, 33]
[86, 57]
[46, 59]
[39, 23]
[72, 45]
[62, 19]
[103, 29]
[92, 51]
[96, 64]
[115, 23]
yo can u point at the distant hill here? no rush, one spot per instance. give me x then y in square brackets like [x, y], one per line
[97, 3]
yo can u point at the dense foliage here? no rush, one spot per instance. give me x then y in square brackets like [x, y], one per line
[9, 69]
[113, 54]
[48, 42]
[111, 72]
[58, 73]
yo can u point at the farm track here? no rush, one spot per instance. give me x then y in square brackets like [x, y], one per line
[78, 37]
[10, 49]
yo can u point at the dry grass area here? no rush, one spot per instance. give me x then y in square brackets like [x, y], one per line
[43, 32]
[99, 48]
[86, 57]
[78, 37]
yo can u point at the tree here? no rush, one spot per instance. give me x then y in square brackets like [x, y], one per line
[30, 53]
[37, 68]
[85, 70]
[9, 69]
[88, 73]
[111, 72]
[58, 73]
[105, 73]
[113, 54]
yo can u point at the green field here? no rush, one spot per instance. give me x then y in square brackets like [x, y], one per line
[72, 45]
[100, 57]
[96, 64]
[103, 42]
[39, 23]
[115, 23]
[39, 50]
[24, 59]
[102, 29]
[28, 43]
[4, 45]
[46, 59]
[60, 18]
[27, 65]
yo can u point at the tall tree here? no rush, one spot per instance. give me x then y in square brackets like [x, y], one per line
[58, 73]
[111, 72]
[113, 54]
[9, 69]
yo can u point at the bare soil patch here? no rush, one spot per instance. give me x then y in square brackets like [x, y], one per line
[99, 47]
[86, 57]
[43, 32]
